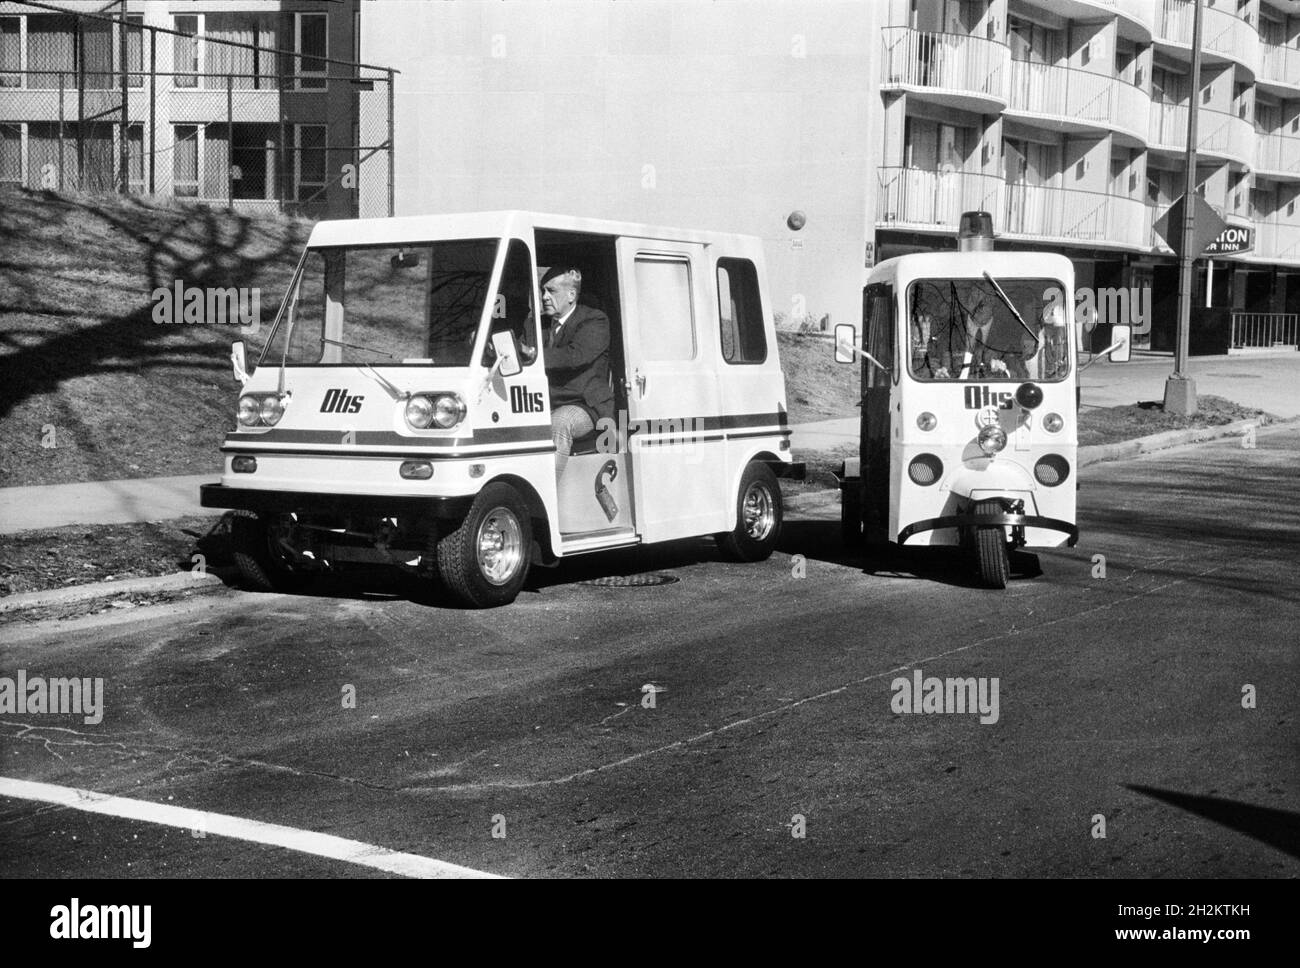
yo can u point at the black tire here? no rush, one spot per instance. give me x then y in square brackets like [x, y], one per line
[991, 550]
[851, 515]
[261, 566]
[482, 577]
[758, 516]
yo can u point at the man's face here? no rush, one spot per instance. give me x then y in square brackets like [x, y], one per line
[557, 296]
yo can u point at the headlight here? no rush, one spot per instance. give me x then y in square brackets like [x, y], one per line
[250, 411]
[927, 421]
[419, 412]
[1053, 423]
[272, 410]
[992, 439]
[448, 410]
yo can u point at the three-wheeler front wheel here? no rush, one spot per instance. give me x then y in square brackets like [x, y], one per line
[484, 562]
[256, 545]
[991, 550]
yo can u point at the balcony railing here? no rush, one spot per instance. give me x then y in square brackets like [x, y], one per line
[1071, 93]
[1280, 64]
[1277, 240]
[953, 62]
[1264, 331]
[1278, 152]
[923, 198]
[934, 199]
[1221, 31]
[1218, 132]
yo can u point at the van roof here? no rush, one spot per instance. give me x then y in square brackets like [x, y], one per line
[967, 265]
[465, 225]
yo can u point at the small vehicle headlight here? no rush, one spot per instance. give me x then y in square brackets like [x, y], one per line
[419, 412]
[992, 439]
[448, 410]
[272, 410]
[1053, 423]
[250, 411]
[927, 421]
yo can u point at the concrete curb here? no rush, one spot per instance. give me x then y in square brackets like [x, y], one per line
[202, 582]
[1170, 438]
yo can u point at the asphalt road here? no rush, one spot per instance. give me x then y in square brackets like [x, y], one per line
[1120, 701]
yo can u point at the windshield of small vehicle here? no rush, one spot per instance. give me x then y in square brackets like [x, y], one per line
[962, 329]
[412, 305]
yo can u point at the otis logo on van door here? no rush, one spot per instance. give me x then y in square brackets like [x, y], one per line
[980, 397]
[338, 401]
[521, 401]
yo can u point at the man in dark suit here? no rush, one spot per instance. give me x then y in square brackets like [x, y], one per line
[577, 360]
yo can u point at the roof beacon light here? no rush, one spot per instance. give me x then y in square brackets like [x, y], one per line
[975, 232]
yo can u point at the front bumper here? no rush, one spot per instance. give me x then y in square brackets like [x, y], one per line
[1006, 519]
[252, 499]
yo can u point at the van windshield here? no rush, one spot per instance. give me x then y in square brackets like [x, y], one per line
[962, 330]
[413, 305]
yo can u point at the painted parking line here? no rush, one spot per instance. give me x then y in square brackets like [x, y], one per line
[239, 828]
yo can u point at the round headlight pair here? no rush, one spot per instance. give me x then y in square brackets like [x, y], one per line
[992, 439]
[265, 410]
[443, 411]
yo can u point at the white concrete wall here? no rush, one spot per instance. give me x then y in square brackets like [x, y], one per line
[717, 115]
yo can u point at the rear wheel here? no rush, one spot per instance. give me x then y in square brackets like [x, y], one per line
[991, 549]
[484, 562]
[256, 547]
[758, 516]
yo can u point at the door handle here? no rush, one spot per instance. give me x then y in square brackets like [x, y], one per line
[640, 383]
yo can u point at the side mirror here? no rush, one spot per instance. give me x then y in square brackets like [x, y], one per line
[507, 351]
[845, 335]
[1121, 343]
[239, 360]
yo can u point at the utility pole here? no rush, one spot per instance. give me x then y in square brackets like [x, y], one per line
[1180, 389]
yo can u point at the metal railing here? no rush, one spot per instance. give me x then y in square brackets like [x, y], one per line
[1279, 63]
[1277, 240]
[1278, 152]
[955, 62]
[1265, 330]
[1218, 132]
[1069, 92]
[934, 199]
[1221, 31]
[114, 107]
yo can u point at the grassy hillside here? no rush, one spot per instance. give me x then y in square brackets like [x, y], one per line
[124, 396]
[80, 353]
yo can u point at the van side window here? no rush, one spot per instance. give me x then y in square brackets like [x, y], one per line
[513, 308]
[878, 313]
[663, 299]
[740, 312]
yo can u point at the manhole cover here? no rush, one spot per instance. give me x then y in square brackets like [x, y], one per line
[634, 581]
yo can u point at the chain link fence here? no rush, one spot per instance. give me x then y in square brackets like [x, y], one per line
[228, 117]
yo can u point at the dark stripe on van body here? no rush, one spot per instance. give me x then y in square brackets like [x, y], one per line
[406, 453]
[534, 434]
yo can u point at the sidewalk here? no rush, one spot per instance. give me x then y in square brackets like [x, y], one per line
[101, 502]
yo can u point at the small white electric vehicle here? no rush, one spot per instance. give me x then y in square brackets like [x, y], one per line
[399, 412]
[969, 402]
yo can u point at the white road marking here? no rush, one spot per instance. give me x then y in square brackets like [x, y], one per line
[238, 828]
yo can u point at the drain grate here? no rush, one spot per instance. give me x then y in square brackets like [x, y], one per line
[634, 581]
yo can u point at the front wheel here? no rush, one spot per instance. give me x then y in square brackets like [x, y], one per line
[259, 547]
[758, 516]
[991, 549]
[484, 562]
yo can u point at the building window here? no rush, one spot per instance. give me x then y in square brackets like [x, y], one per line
[11, 154]
[50, 49]
[740, 312]
[309, 163]
[311, 44]
[185, 52]
[11, 52]
[135, 163]
[248, 64]
[135, 50]
[185, 161]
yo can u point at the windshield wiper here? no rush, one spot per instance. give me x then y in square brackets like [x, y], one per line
[1015, 312]
[354, 346]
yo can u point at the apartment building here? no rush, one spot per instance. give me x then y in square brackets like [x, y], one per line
[242, 102]
[1067, 119]
[880, 120]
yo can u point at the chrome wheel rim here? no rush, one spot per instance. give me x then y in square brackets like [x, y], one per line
[758, 512]
[500, 546]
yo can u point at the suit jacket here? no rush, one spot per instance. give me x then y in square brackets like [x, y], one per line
[577, 363]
